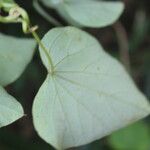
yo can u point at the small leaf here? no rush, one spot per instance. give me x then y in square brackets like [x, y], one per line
[134, 137]
[90, 13]
[89, 94]
[15, 54]
[10, 109]
[6, 2]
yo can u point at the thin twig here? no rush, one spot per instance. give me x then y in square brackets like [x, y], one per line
[123, 44]
[36, 37]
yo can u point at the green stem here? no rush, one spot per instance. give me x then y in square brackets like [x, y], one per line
[18, 14]
[36, 37]
[9, 19]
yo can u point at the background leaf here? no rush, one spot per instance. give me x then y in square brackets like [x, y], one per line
[89, 13]
[10, 109]
[15, 54]
[134, 137]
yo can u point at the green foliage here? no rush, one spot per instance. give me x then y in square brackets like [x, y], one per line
[90, 13]
[134, 137]
[15, 54]
[87, 95]
[8, 3]
[10, 109]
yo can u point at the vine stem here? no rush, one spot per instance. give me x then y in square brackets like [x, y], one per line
[36, 37]
[123, 45]
[18, 14]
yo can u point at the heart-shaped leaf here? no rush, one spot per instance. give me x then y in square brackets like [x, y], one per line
[10, 109]
[87, 96]
[15, 54]
[90, 13]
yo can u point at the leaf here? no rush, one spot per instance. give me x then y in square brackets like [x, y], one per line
[89, 13]
[88, 96]
[15, 54]
[6, 2]
[10, 109]
[133, 137]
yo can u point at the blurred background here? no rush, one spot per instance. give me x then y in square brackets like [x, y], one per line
[127, 40]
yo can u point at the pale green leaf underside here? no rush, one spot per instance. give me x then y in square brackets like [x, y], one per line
[89, 95]
[15, 54]
[10, 109]
[90, 13]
